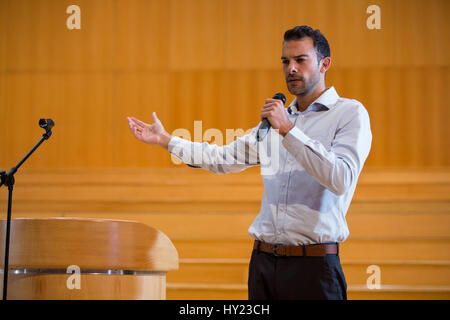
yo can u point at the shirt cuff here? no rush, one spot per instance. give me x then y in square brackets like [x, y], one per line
[294, 140]
[175, 146]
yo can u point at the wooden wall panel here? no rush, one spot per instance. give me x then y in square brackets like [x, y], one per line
[3, 26]
[39, 41]
[141, 35]
[215, 61]
[79, 104]
[138, 94]
[197, 33]
[255, 34]
[408, 109]
[222, 99]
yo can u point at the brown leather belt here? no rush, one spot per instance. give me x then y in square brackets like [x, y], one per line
[311, 250]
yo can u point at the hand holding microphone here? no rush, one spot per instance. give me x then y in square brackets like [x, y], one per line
[274, 115]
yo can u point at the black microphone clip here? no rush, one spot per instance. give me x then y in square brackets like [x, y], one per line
[47, 124]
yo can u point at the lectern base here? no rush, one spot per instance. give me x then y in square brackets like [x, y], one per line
[47, 286]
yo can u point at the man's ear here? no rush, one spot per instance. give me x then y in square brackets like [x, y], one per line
[325, 64]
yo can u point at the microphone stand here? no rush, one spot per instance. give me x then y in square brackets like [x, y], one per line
[7, 179]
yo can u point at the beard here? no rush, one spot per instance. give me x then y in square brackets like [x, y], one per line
[303, 86]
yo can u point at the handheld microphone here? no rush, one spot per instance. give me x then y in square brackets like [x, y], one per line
[265, 124]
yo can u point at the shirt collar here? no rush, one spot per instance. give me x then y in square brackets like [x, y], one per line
[326, 101]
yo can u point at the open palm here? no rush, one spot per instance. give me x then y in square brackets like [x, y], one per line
[148, 133]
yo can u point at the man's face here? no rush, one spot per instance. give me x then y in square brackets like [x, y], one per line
[300, 66]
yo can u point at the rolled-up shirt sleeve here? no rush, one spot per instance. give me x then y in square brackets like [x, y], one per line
[234, 157]
[336, 169]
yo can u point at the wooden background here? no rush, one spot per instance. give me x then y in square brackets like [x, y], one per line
[216, 61]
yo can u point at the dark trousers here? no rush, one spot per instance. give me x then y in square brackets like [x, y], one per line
[299, 278]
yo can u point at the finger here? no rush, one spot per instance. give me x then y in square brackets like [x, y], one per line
[266, 114]
[133, 122]
[135, 129]
[273, 100]
[137, 126]
[155, 118]
[275, 103]
[137, 133]
[138, 122]
[268, 107]
[131, 125]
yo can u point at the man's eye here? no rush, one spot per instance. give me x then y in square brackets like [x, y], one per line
[285, 62]
[300, 60]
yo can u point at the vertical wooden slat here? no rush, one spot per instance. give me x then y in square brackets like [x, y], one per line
[197, 34]
[141, 35]
[138, 95]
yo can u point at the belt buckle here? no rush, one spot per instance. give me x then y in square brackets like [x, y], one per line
[274, 250]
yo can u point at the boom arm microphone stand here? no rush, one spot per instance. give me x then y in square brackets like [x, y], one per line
[7, 179]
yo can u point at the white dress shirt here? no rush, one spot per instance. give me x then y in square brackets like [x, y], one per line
[309, 175]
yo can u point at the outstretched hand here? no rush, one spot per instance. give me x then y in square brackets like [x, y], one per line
[153, 134]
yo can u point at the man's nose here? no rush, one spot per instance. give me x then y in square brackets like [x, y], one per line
[292, 68]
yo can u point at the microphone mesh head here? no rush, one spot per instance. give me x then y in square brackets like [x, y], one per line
[280, 96]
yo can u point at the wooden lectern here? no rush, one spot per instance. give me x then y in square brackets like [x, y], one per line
[74, 258]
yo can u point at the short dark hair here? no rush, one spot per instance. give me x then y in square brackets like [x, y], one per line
[320, 42]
